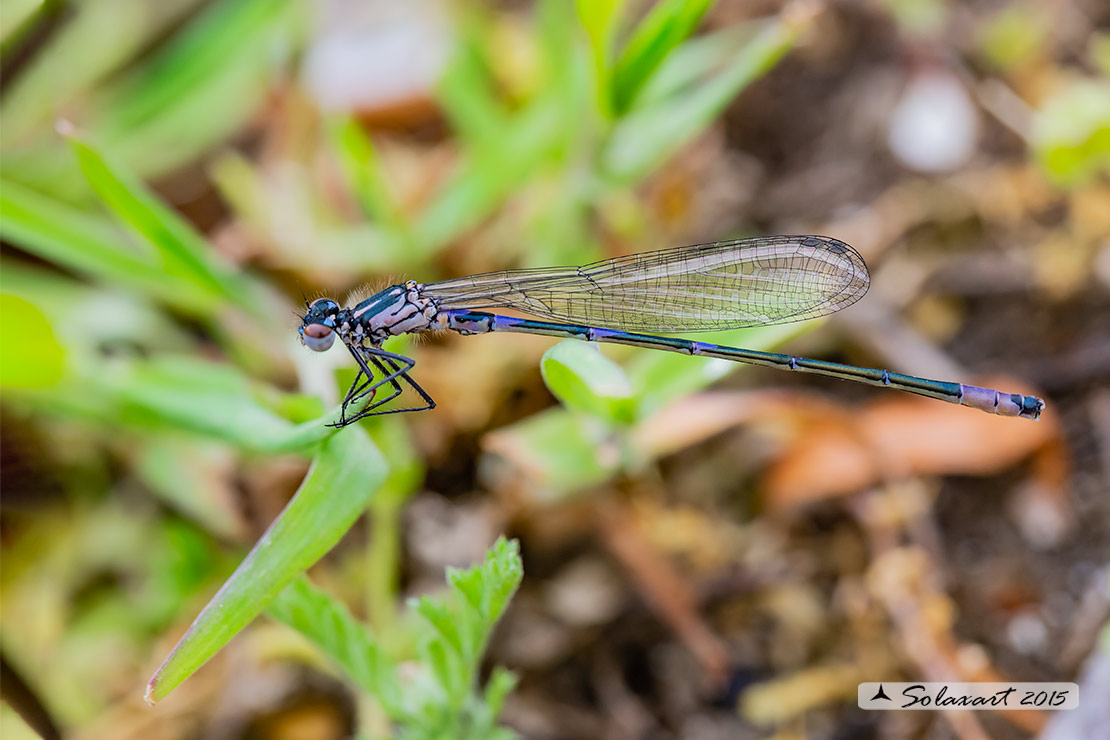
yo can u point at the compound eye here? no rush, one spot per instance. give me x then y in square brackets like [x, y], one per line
[317, 337]
[326, 305]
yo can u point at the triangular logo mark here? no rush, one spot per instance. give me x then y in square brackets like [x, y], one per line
[881, 694]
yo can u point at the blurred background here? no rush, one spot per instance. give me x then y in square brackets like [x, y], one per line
[710, 551]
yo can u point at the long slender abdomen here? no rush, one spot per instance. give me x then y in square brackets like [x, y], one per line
[984, 399]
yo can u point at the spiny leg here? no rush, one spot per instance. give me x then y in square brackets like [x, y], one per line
[389, 376]
[383, 360]
[369, 409]
[390, 358]
[357, 392]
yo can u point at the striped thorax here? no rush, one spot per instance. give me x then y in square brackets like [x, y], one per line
[400, 309]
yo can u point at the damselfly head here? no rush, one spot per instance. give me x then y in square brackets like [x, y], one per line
[318, 326]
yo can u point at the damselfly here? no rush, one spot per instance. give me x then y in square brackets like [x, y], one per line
[706, 287]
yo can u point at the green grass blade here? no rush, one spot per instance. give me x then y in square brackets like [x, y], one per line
[16, 16]
[565, 61]
[359, 160]
[694, 61]
[347, 642]
[648, 136]
[488, 176]
[343, 477]
[78, 56]
[666, 26]
[600, 18]
[182, 251]
[212, 400]
[467, 89]
[201, 86]
[88, 244]
[204, 398]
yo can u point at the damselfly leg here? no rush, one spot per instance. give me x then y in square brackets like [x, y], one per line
[360, 389]
[392, 359]
[392, 370]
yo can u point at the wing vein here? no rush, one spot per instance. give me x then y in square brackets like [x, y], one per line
[705, 287]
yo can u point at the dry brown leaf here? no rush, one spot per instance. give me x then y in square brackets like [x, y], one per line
[906, 436]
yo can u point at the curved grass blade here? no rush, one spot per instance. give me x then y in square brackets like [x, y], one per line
[344, 475]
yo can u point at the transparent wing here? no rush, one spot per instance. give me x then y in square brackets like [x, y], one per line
[706, 287]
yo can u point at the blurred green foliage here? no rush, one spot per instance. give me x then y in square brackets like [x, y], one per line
[1015, 36]
[1071, 133]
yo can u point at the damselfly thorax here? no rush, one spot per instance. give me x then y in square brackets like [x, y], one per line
[706, 287]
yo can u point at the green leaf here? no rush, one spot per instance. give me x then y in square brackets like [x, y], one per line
[441, 620]
[460, 627]
[1014, 36]
[448, 671]
[587, 381]
[501, 683]
[346, 641]
[667, 24]
[649, 135]
[343, 477]
[562, 453]
[501, 575]
[487, 588]
[30, 356]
